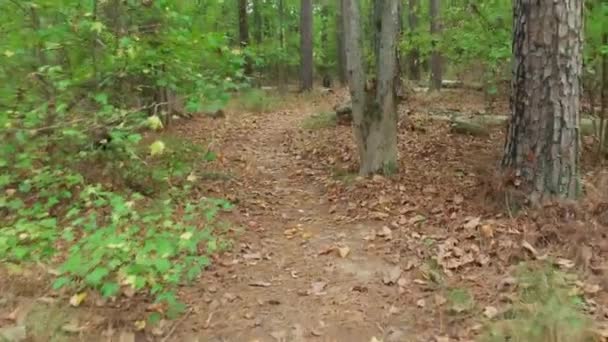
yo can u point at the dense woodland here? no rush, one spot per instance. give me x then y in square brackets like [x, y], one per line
[119, 123]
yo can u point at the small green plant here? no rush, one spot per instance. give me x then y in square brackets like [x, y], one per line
[460, 300]
[320, 121]
[546, 310]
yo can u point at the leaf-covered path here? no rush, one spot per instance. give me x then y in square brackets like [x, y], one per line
[296, 273]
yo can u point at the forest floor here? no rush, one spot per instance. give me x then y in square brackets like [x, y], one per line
[320, 254]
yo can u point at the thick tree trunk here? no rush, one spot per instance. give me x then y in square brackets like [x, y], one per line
[414, 53]
[542, 150]
[374, 106]
[306, 45]
[436, 63]
[341, 48]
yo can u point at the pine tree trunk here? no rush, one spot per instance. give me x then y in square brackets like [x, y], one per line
[543, 145]
[436, 67]
[306, 45]
[374, 107]
[414, 54]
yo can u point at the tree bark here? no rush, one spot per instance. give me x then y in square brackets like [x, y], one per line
[436, 59]
[542, 150]
[325, 68]
[341, 48]
[258, 34]
[374, 103]
[244, 32]
[306, 45]
[414, 53]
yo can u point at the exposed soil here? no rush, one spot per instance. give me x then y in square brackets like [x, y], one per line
[321, 254]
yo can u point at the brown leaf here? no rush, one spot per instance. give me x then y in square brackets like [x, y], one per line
[343, 251]
[490, 312]
[391, 275]
[260, 284]
[472, 223]
[318, 288]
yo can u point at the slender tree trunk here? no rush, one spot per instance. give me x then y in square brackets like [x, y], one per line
[306, 45]
[244, 32]
[341, 48]
[325, 43]
[436, 59]
[257, 22]
[374, 103]
[281, 65]
[414, 53]
[604, 96]
[542, 150]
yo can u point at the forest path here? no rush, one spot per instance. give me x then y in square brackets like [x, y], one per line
[296, 273]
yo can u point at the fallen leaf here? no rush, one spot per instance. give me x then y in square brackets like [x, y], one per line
[421, 303]
[490, 312]
[565, 263]
[318, 287]
[374, 339]
[252, 256]
[385, 233]
[343, 251]
[591, 288]
[440, 300]
[391, 275]
[417, 219]
[458, 199]
[487, 231]
[78, 299]
[139, 325]
[527, 246]
[260, 284]
[472, 223]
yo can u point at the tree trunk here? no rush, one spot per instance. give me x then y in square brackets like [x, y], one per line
[414, 53]
[258, 34]
[306, 37]
[281, 66]
[244, 32]
[374, 106]
[436, 67]
[542, 150]
[341, 48]
[325, 69]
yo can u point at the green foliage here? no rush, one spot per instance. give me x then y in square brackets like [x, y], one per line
[320, 121]
[256, 101]
[547, 310]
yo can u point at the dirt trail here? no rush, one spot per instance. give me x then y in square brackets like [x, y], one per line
[280, 286]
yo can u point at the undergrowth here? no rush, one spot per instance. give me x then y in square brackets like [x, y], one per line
[320, 121]
[117, 215]
[546, 310]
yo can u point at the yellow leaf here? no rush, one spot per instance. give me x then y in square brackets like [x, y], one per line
[140, 325]
[9, 53]
[186, 236]
[78, 299]
[157, 148]
[154, 123]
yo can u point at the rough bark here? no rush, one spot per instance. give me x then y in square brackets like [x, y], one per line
[436, 59]
[325, 69]
[543, 146]
[414, 53]
[374, 103]
[306, 45]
